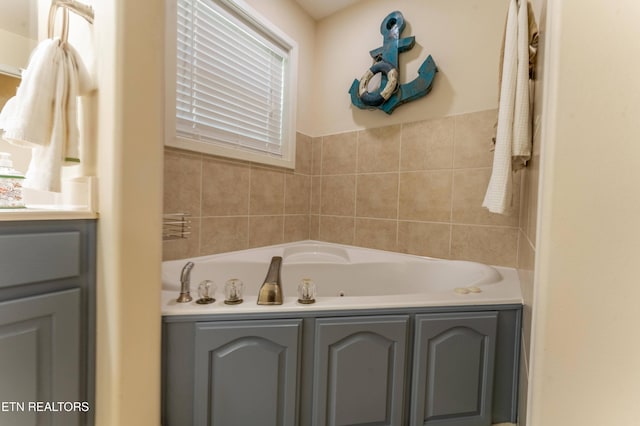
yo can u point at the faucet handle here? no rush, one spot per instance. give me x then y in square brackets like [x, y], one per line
[206, 291]
[307, 291]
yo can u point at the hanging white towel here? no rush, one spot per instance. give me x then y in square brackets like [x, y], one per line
[26, 118]
[45, 166]
[80, 83]
[521, 149]
[43, 114]
[513, 137]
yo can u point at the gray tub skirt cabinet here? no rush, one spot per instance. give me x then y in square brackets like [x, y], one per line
[47, 322]
[454, 366]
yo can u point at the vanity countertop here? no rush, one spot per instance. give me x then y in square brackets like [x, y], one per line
[45, 213]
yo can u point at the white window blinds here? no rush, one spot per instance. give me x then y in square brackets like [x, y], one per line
[231, 79]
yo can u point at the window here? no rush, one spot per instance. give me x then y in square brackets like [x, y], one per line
[235, 79]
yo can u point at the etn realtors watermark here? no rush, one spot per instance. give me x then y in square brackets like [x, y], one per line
[44, 406]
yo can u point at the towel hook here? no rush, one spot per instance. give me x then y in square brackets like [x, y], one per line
[64, 36]
[83, 10]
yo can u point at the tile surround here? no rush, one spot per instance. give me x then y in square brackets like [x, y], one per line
[339, 154]
[426, 196]
[266, 194]
[236, 205]
[472, 139]
[377, 195]
[379, 149]
[424, 238]
[414, 188]
[229, 196]
[337, 195]
[427, 153]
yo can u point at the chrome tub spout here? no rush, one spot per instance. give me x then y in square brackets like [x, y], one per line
[185, 283]
[271, 290]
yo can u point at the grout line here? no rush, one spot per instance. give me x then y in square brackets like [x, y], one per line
[310, 147]
[398, 189]
[321, 159]
[284, 203]
[201, 203]
[355, 193]
[451, 212]
[453, 164]
[249, 191]
[248, 240]
[321, 183]
[517, 262]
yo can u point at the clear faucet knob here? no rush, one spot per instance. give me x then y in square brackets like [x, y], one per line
[306, 291]
[206, 291]
[233, 291]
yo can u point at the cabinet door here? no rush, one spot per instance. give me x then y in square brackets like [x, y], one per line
[359, 371]
[246, 373]
[40, 357]
[453, 369]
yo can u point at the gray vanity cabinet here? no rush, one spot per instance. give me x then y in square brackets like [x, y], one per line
[247, 373]
[359, 371]
[39, 356]
[453, 369]
[47, 321]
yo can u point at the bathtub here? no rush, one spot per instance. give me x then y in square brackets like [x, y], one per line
[346, 277]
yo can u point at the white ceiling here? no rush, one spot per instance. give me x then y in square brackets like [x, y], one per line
[19, 17]
[319, 9]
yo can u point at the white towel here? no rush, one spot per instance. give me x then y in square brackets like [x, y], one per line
[26, 118]
[43, 114]
[521, 149]
[513, 137]
[80, 83]
[46, 161]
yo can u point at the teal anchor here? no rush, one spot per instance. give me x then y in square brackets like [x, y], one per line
[390, 94]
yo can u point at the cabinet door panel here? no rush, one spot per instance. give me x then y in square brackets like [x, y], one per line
[39, 356]
[453, 369]
[44, 256]
[246, 373]
[359, 371]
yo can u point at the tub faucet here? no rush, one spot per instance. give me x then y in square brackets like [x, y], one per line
[271, 290]
[185, 283]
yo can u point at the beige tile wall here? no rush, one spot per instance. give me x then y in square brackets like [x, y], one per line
[236, 205]
[413, 188]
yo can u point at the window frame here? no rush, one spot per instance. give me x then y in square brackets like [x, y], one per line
[260, 24]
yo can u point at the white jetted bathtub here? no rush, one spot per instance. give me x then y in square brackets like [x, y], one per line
[346, 277]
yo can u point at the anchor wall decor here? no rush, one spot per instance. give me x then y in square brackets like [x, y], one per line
[389, 95]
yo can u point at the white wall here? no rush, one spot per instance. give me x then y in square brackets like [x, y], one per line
[129, 120]
[463, 36]
[585, 336]
[14, 51]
